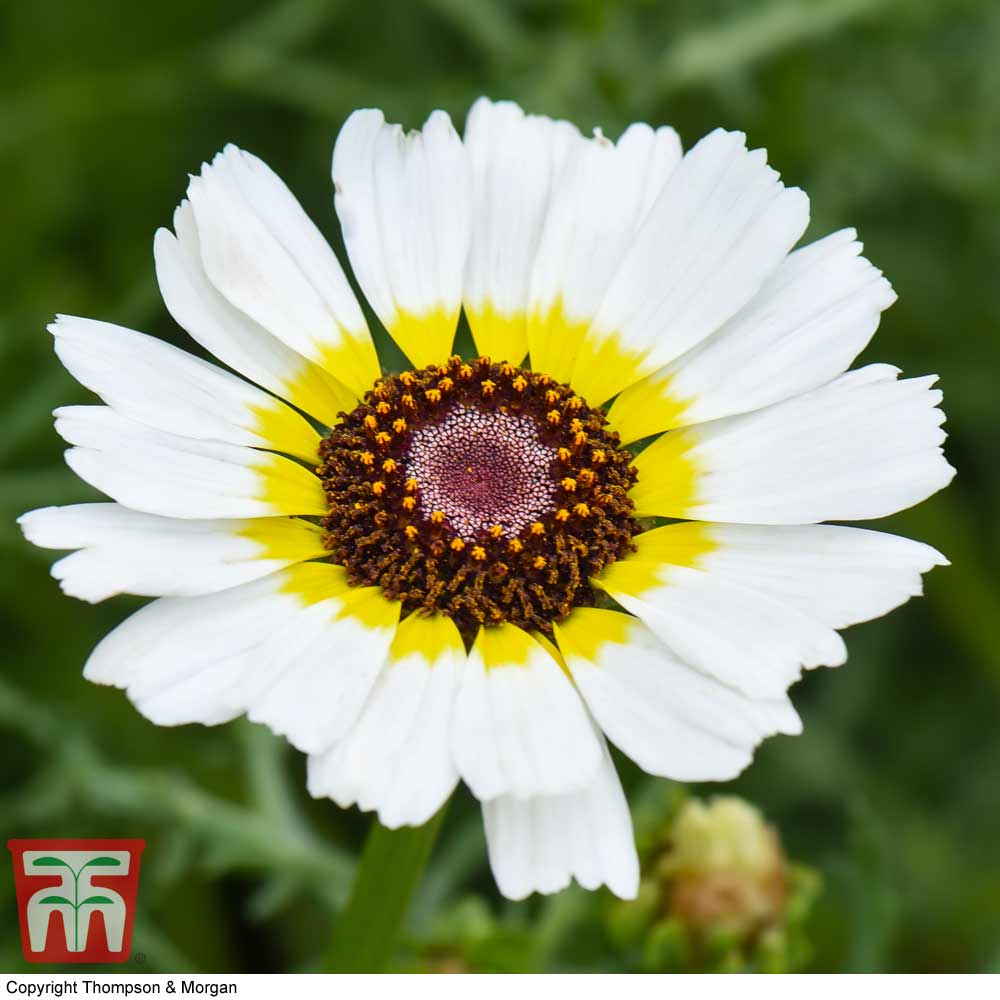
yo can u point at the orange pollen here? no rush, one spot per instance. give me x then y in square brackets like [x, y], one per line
[406, 378]
[411, 532]
[496, 531]
[409, 503]
[383, 408]
[383, 438]
[581, 510]
[411, 485]
[540, 562]
[446, 385]
[370, 422]
[378, 488]
[399, 425]
[457, 544]
[437, 517]
[553, 417]
[565, 454]
[520, 383]
[599, 457]
[562, 514]
[569, 484]
[389, 465]
[478, 553]
[407, 400]
[489, 387]
[538, 528]
[433, 395]
[367, 458]
[514, 545]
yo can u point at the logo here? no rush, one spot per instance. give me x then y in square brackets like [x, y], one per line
[76, 898]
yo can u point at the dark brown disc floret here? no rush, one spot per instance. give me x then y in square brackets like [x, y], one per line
[483, 491]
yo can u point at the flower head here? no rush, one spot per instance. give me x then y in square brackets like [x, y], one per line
[718, 892]
[726, 864]
[462, 570]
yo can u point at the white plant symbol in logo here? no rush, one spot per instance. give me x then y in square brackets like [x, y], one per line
[76, 898]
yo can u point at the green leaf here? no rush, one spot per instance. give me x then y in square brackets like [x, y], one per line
[96, 899]
[56, 899]
[50, 862]
[103, 862]
[389, 869]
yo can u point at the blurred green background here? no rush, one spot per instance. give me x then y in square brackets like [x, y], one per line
[887, 113]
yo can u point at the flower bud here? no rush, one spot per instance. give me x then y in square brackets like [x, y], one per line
[726, 870]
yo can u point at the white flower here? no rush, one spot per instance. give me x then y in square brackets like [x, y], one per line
[411, 581]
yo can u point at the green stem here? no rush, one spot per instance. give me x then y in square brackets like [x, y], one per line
[389, 869]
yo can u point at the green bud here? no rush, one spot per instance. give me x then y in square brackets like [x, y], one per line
[726, 868]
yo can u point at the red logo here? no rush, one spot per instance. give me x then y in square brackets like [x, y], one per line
[76, 898]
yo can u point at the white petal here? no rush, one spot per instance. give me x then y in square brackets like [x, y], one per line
[404, 202]
[735, 633]
[754, 605]
[863, 446]
[540, 844]
[185, 659]
[672, 720]
[720, 228]
[838, 575]
[232, 336]
[520, 727]
[158, 385]
[288, 649]
[597, 206]
[397, 758]
[516, 160]
[161, 473]
[122, 551]
[811, 319]
[264, 254]
[317, 700]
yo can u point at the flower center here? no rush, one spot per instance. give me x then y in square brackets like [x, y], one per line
[482, 491]
[482, 468]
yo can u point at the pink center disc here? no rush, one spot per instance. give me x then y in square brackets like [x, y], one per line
[482, 468]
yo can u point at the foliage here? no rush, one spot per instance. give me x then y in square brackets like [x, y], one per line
[885, 111]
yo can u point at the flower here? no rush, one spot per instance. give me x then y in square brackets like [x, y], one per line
[455, 572]
[718, 892]
[726, 865]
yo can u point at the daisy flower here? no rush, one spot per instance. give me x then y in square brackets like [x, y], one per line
[481, 569]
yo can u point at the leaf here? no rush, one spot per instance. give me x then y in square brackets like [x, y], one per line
[96, 900]
[56, 899]
[103, 862]
[50, 862]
